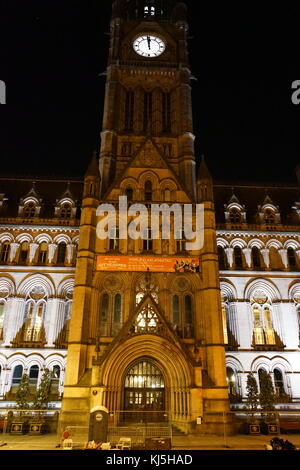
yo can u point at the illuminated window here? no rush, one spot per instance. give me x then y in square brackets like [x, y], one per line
[231, 381]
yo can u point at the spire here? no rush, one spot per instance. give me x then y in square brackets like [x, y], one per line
[204, 183]
[93, 168]
[204, 173]
[92, 179]
[233, 199]
[67, 193]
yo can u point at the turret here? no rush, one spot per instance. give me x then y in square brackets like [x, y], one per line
[92, 179]
[204, 183]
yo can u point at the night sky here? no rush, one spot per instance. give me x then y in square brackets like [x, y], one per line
[52, 54]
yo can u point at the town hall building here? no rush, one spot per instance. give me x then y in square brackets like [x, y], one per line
[145, 328]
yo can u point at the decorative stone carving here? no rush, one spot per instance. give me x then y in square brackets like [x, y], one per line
[37, 293]
[112, 283]
[260, 297]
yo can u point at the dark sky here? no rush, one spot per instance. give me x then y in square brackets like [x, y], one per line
[245, 59]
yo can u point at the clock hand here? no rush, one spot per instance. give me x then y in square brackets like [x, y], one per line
[149, 41]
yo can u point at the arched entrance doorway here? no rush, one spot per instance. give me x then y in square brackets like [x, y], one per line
[144, 392]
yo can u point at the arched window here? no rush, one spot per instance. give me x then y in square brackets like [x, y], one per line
[23, 253]
[148, 106]
[33, 375]
[235, 216]
[222, 258]
[61, 253]
[66, 211]
[129, 110]
[2, 309]
[279, 383]
[264, 333]
[231, 381]
[4, 252]
[104, 315]
[183, 316]
[29, 307]
[166, 112]
[167, 195]
[292, 258]
[256, 260]
[129, 193]
[269, 217]
[17, 375]
[261, 373]
[238, 258]
[117, 314]
[188, 316]
[55, 376]
[176, 312]
[148, 191]
[29, 210]
[43, 253]
[224, 322]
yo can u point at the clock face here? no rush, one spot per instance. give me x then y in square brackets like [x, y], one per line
[149, 46]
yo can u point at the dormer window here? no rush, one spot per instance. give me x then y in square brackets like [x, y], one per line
[29, 210]
[235, 216]
[269, 217]
[66, 211]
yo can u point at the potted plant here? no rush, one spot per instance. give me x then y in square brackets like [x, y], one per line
[37, 423]
[267, 400]
[19, 423]
[253, 426]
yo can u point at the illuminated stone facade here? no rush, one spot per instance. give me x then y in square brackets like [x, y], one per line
[162, 344]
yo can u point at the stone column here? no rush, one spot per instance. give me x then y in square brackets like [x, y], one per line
[15, 312]
[32, 251]
[13, 251]
[284, 257]
[54, 320]
[229, 254]
[51, 252]
[247, 253]
[266, 256]
[70, 253]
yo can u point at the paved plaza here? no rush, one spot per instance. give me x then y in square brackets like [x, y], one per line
[239, 442]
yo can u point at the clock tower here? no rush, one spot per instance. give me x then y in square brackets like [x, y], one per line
[146, 337]
[148, 92]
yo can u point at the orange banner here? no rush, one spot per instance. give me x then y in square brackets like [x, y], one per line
[146, 263]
